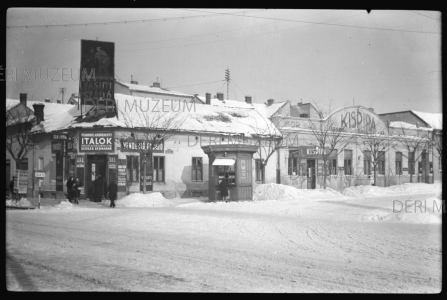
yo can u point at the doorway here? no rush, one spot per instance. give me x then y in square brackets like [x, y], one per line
[311, 176]
[96, 165]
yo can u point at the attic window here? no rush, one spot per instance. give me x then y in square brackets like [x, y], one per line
[304, 116]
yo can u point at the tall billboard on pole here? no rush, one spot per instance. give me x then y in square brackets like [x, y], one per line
[97, 80]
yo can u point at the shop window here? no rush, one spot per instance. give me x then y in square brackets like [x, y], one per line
[440, 163]
[226, 173]
[293, 165]
[259, 170]
[332, 162]
[132, 169]
[159, 168]
[367, 162]
[53, 170]
[348, 162]
[40, 164]
[197, 169]
[23, 164]
[431, 168]
[381, 162]
[411, 163]
[398, 163]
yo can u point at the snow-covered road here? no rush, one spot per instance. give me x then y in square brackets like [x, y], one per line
[350, 245]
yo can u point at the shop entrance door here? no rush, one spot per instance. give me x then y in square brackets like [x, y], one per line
[311, 176]
[96, 165]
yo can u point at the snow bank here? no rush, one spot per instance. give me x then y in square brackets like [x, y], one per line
[428, 211]
[273, 191]
[64, 205]
[22, 203]
[403, 189]
[142, 200]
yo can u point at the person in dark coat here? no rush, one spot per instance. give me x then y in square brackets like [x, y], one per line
[70, 182]
[11, 187]
[224, 189]
[112, 191]
[76, 192]
[98, 189]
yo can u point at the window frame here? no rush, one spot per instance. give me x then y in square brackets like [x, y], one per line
[398, 163]
[367, 163]
[258, 169]
[411, 163]
[133, 160]
[39, 166]
[347, 161]
[381, 163]
[157, 169]
[195, 168]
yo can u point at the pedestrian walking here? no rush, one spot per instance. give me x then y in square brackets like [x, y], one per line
[11, 187]
[224, 189]
[70, 182]
[99, 189]
[76, 192]
[112, 191]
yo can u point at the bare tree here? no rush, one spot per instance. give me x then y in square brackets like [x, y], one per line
[375, 142]
[268, 138]
[149, 130]
[19, 140]
[437, 144]
[329, 135]
[414, 140]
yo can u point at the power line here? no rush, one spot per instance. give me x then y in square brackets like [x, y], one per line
[223, 40]
[117, 22]
[329, 24]
[424, 15]
[217, 32]
[172, 87]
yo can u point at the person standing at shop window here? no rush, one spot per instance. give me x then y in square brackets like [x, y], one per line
[224, 189]
[112, 191]
[98, 191]
[76, 192]
[11, 187]
[70, 182]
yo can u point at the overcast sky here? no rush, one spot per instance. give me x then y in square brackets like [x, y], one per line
[387, 60]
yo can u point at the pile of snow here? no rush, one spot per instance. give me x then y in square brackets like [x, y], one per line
[23, 202]
[403, 189]
[273, 191]
[427, 211]
[142, 200]
[64, 205]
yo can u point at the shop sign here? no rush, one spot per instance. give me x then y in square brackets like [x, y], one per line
[59, 136]
[96, 142]
[122, 173]
[58, 146]
[312, 151]
[131, 145]
[21, 183]
[40, 174]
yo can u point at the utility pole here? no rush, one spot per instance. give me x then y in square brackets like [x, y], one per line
[227, 79]
[62, 90]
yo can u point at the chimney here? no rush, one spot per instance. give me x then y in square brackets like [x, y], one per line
[220, 96]
[248, 99]
[208, 98]
[371, 109]
[270, 102]
[23, 98]
[38, 112]
[132, 81]
[47, 100]
[156, 84]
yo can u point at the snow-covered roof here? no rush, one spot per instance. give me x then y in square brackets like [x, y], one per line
[197, 117]
[405, 125]
[432, 119]
[265, 110]
[56, 115]
[157, 90]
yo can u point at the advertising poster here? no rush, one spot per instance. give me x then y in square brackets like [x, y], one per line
[96, 82]
[21, 184]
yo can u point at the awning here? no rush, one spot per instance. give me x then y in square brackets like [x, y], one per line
[223, 162]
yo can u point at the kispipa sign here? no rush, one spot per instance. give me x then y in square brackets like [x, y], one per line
[360, 119]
